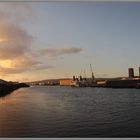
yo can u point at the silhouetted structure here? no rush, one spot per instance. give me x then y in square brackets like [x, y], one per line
[74, 78]
[8, 87]
[139, 71]
[93, 78]
[80, 78]
[131, 72]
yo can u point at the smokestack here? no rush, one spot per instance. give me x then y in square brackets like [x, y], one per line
[131, 73]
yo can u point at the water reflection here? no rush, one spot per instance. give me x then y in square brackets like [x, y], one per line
[70, 112]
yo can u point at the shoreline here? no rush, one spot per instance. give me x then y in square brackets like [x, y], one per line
[6, 88]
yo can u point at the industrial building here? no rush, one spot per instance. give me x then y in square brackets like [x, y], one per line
[65, 82]
[122, 83]
[131, 73]
[131, 82]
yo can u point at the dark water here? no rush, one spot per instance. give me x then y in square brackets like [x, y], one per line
[70, 112]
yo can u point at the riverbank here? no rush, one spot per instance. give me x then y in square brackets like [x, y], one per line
[6, 88]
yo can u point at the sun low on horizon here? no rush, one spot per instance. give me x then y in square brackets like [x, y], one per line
[49, 40]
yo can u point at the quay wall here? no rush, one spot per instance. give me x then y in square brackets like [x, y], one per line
[122, 83]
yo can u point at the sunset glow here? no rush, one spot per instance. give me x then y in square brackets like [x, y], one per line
[1, 40]
[6, 63]
[58, 40]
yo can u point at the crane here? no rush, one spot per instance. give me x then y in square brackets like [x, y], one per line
[93, 79]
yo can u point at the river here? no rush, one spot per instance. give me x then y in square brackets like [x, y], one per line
[54, 111]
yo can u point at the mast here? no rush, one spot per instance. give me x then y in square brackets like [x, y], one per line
[92, 74]
[85, 77]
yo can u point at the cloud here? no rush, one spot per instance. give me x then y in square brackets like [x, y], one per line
[55, 52]
[17, 12]
[15, 41]
[16, 54]
[26, 66]
[43, 66]
[6, 71]
[4, 15]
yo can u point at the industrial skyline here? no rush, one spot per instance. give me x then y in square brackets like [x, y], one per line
[46, 40]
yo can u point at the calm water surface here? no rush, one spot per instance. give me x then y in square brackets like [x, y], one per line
[53, 111]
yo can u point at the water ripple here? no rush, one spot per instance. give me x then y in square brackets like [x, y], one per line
[70, 112]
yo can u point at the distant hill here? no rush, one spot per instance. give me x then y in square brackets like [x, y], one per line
[57, 80]
[48, 80]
